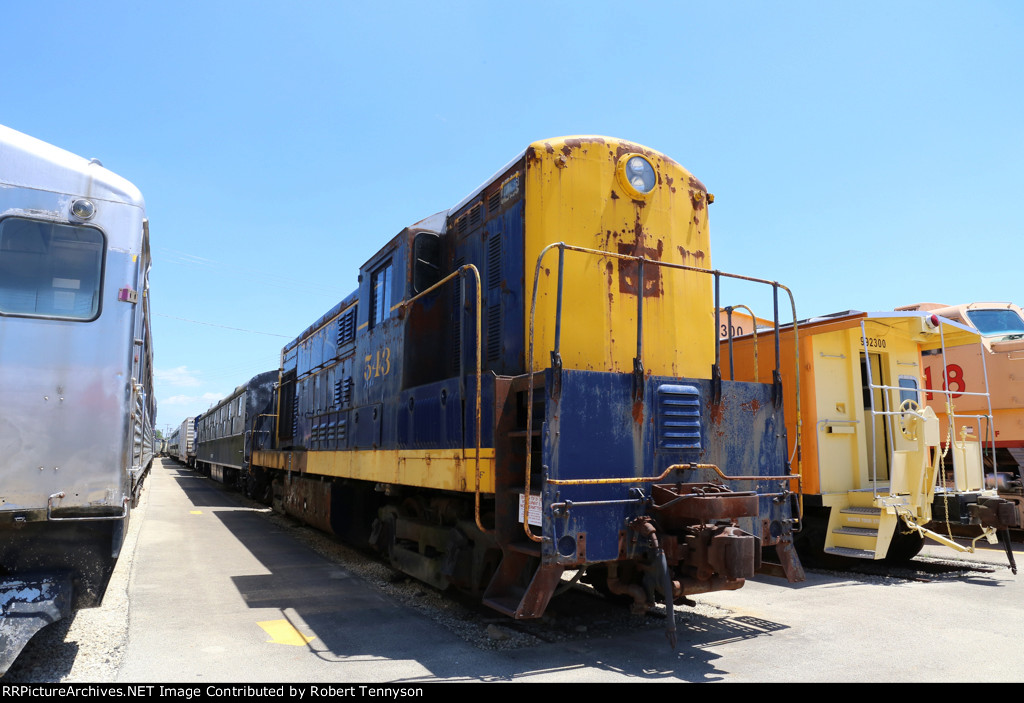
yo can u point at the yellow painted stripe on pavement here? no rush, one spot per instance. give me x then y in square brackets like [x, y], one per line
[283, 632]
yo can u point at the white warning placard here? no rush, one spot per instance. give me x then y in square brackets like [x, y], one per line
[535, 504]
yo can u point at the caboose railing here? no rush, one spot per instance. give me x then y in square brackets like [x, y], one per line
[638, 369]
[890, 415]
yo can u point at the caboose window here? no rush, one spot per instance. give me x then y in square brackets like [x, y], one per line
[908, 389]
[49, 269]
[380, 290]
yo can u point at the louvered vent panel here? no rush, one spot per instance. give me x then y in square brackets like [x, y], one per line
[678, 417]
[474, 216]
[494, 261]
[343, 392]
[347, 326]
[493, 333]
[456, 340]
[493, 349]
[494, 202]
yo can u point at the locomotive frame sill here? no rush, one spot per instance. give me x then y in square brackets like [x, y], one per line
[423, 468]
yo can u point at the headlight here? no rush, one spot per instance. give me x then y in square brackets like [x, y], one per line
[640, 174]
[83, 209]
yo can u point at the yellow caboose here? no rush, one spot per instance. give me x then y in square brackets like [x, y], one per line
[864, 434]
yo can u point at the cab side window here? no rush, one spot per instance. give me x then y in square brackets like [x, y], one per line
[426, 261]
[380, 294]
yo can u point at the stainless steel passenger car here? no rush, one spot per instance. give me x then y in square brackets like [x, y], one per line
[77, 426]
[184, 450]
[174, 443]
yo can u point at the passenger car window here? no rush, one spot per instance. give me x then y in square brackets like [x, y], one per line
[49, 269]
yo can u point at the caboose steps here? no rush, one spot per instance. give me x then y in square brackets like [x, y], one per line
[858, 528]
[859, 531]
[852, 553]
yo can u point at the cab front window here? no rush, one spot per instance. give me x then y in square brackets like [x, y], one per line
[996, 322]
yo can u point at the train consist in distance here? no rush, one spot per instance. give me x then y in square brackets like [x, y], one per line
[227, 433]
[529, 383]
[78, 426]
[182, 443]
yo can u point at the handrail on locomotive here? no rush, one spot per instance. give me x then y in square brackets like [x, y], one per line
[753, 330]
[464, 271]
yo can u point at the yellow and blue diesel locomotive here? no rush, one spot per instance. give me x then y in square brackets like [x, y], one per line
[528, 383]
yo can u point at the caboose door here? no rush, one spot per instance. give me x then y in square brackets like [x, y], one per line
[876, 429]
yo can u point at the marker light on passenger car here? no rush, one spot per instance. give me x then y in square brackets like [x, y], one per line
[83, 209]
[640, 174]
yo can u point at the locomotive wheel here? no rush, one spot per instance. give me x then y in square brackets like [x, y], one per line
[257, 486]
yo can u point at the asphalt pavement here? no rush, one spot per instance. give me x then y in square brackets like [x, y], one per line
[219, 592]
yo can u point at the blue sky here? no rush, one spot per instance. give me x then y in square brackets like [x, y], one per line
[865, 154]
